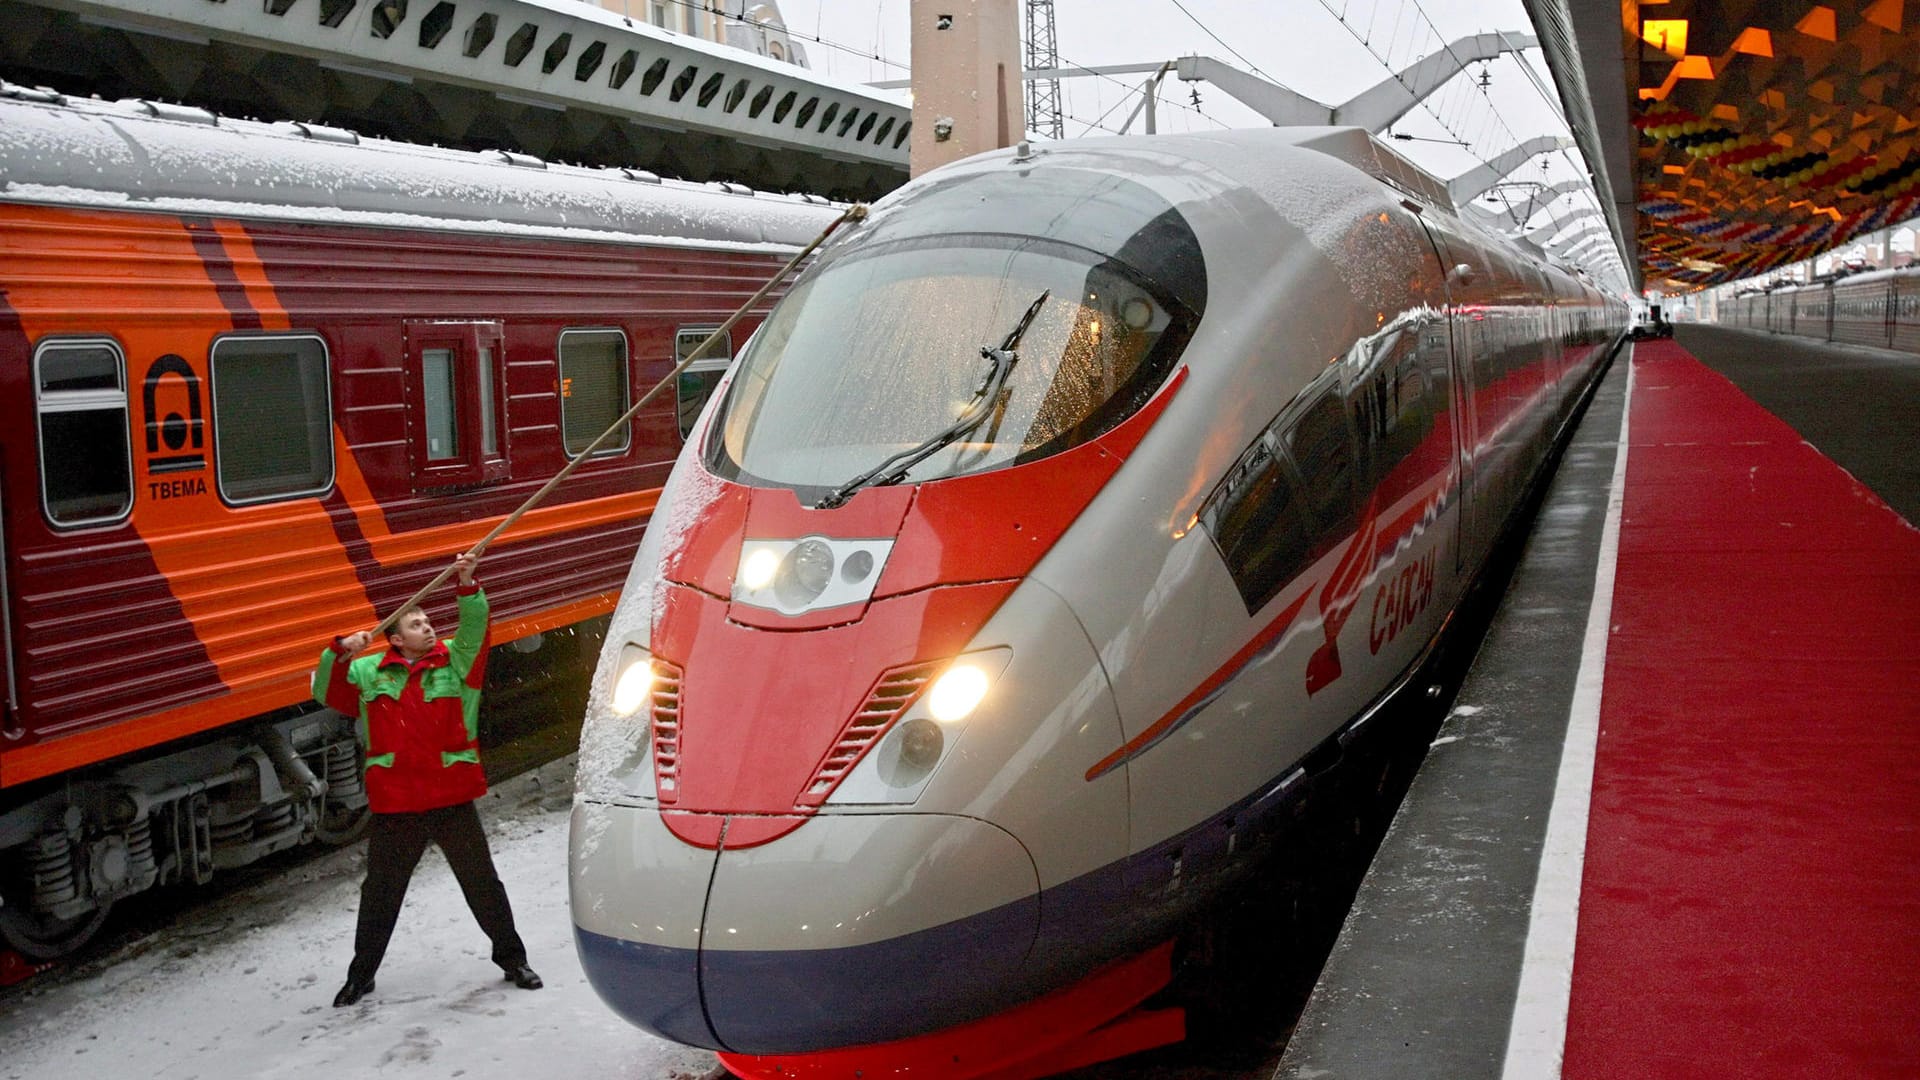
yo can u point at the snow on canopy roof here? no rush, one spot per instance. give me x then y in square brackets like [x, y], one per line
[726, 54]
[138, 155]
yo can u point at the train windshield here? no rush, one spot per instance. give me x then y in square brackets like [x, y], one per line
[879, 353]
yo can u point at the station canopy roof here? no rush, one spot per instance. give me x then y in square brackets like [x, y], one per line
[1736, 136]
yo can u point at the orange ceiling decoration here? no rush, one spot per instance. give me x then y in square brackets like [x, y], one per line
[1768, 131]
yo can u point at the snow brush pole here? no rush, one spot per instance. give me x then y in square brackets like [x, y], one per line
[856, 212]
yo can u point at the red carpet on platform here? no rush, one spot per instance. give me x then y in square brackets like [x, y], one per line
[1751, 905]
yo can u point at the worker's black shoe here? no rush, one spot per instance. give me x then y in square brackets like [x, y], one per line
[524, 977]
[352, 992]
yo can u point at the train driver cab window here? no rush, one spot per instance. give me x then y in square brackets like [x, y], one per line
[456, 407]
[593, 388]
[696, 383]
[272, 417]
[871, 358]
[80, 398]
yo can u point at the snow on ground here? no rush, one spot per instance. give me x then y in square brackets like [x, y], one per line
[243, 987]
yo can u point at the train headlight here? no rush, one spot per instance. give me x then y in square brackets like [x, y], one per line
[900, 764]
[633, 682]
[957, 692]
[810, 573]
[921, 743]
[804, 573]
[758, 569]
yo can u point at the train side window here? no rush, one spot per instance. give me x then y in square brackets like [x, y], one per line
[86, 461]
[593, 388]
[1392, 413]
[1322, 449]
[1257, 523]
[695, 384]
[443, 428]
[1289, 499]
[272, 417]
[455, 406]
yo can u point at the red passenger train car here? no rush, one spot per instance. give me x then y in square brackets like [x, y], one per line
[259, 383]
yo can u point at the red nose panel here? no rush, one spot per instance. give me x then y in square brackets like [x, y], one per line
[705, 520]
[760, 710]
[766, 699]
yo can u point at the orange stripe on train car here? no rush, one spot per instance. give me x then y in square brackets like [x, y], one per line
[68, 269]
[252, 275]
[287, 596]
[22, 764]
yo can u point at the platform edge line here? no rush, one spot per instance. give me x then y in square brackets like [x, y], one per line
[1536, 1041]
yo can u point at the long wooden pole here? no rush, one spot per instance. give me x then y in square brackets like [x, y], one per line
[855, 212]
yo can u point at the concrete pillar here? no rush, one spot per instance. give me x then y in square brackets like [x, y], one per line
[966, 80]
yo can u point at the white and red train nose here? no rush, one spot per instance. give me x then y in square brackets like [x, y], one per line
[752, 857]
[854, 930]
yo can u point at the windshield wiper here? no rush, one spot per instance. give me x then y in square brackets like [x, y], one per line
[895, 469]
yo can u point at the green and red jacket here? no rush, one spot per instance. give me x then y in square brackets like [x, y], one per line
[419, 720]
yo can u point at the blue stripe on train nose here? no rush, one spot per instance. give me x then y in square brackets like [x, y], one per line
[653, 987]
[862, 928]
[802, 1001]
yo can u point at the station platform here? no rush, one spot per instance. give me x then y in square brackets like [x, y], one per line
[1671, 827]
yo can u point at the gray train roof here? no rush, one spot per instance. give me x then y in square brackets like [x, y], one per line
[1249, 158]
[1264, 163]
[1309, 180]
[138, 155]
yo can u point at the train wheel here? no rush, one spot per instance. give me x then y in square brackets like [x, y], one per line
[40, 937]
[340, 826]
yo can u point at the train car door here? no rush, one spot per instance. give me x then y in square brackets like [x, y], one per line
[1458, 271]
[456, 402]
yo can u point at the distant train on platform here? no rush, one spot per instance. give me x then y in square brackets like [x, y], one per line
[1880, 308]
[260, 383]
[1063, 522]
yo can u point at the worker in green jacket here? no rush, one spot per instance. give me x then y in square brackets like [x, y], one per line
[418, 705]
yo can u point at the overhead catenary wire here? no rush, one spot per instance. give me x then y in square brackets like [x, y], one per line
[1386, 62]
[1459, 101]
[855, 212]
[1095, 122]
[1493, 110]
[1492, 114]
[1064, 62]
[1255, 68]
[1452, 100]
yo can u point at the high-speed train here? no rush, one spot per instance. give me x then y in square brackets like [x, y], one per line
[1050, 533]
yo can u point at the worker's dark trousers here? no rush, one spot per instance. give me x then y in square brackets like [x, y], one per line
[395, 843]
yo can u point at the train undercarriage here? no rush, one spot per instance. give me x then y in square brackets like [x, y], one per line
[72, 849]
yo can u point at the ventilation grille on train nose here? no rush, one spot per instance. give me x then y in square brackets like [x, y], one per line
[890, 697]
[666, 730]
